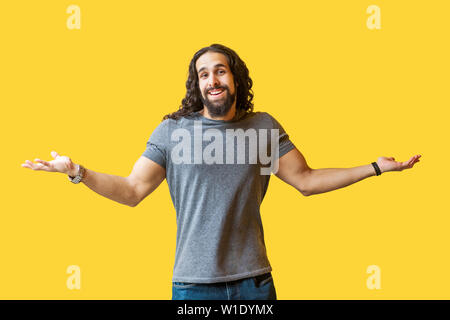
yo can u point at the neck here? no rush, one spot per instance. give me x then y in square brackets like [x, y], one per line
[230, 115]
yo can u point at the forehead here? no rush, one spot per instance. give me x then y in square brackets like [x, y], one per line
[209, 59]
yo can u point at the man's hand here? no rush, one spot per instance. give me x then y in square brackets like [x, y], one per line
[389, 164]
[61, 164]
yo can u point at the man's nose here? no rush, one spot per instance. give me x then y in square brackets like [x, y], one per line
[213, 81]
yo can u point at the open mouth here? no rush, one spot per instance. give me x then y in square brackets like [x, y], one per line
[216, 92]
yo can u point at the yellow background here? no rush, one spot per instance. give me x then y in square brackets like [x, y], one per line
[345, 94]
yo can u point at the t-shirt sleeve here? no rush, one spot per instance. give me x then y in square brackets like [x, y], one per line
[284, 143]
[157, 144]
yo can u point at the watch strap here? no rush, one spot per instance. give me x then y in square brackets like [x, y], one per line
[377, 168]
[79, 176]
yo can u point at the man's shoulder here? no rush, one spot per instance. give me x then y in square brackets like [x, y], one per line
[266, 120]
[262, 117]
[171, 123]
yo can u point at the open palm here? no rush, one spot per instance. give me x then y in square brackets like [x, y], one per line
[389, 164]
[61, 164]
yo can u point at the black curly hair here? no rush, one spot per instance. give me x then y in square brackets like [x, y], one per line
[192, 101]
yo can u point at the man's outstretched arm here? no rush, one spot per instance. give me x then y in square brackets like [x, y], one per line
[292, 169]
[145, 177]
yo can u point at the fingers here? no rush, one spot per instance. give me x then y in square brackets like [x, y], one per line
[34, 166]
[39, 165]
[44, 163]
[413, 160]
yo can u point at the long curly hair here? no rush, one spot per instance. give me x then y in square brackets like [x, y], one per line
[192, 101]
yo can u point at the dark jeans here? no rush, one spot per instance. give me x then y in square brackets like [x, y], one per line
[254, 288]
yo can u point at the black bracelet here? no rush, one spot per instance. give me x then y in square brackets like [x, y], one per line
[377, 168]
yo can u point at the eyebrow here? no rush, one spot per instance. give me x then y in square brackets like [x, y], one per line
[216, 66]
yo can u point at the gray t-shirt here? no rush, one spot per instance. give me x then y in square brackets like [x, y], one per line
[217, 198]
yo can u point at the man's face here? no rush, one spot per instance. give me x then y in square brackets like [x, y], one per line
[216, 83]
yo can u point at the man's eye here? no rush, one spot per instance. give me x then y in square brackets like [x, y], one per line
[223, 71]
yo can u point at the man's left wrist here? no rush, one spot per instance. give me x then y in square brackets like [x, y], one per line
[376, 169]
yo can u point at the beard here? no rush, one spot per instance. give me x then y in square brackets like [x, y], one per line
[219, 107]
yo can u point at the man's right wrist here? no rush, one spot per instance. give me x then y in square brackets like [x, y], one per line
[79, 176]
[74, 172]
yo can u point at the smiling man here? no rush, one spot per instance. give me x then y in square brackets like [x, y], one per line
[217, 86]
[220, 248]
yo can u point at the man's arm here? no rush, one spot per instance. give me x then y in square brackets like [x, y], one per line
[144, 179]
[328, 179]
[110, 186]
[146, 176]
[294, 171]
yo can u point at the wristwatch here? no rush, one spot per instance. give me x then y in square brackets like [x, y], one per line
[77, 179]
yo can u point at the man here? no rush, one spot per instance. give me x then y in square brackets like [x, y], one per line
[216, 184]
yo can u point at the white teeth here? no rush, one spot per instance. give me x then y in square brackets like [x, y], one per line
[215, 92]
